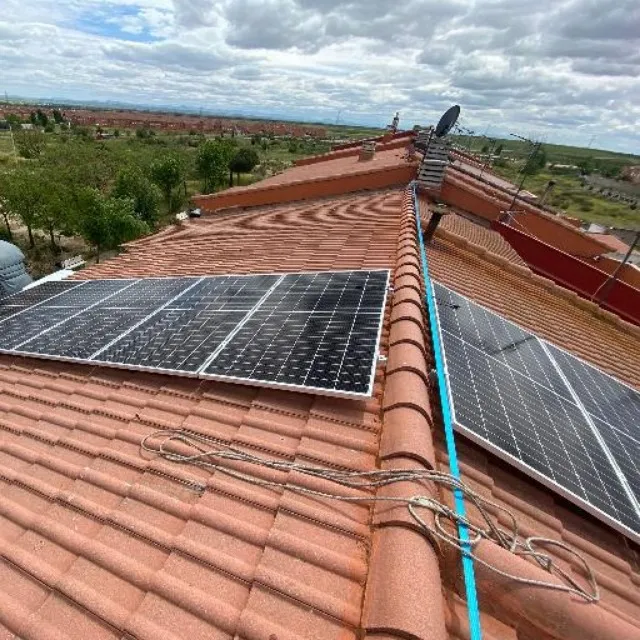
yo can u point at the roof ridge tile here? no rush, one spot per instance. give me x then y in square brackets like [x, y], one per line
[403, 593]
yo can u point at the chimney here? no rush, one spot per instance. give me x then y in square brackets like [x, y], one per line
[438, 211]
[367, 151]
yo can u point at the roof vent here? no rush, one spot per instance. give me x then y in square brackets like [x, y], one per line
[438, 211]
[13, 273]
[367, 151]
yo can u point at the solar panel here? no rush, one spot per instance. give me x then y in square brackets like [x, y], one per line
[318, 331]
[314, 350]
[307, 331]
[171, 339]
[225, 293]
[602, 396]
[45, 291]
[513, 394]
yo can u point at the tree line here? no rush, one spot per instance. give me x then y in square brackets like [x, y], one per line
[78, 187]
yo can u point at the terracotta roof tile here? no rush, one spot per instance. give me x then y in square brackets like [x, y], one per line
[110, 542]
[480, 236]
[101, 541]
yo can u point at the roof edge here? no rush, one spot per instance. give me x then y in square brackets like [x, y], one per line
[310, 189]
[494, 200]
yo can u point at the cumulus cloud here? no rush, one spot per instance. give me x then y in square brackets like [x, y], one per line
[561, 69]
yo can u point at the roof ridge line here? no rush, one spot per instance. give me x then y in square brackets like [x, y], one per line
[401, 555]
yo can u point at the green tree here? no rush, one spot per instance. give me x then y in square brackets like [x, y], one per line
[41, 118]
[212, 160]
[586, 165]
[105, 223]
[24, 197]
[6, 216]
[14, 120]
[84, 163]
[29, 142]
[132, 183]
[243, 161]
[536, 162]
[57, 116]
[485, 149]
[56, 209]
[168, 173]
[499, 149]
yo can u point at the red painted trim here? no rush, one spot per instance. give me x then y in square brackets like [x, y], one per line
[572, 273]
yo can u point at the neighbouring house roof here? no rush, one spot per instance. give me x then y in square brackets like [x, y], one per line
[615, 244]
[99, 541]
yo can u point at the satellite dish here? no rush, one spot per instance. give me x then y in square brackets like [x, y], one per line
[447, 121]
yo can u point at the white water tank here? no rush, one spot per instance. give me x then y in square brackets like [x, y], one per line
[13, 273]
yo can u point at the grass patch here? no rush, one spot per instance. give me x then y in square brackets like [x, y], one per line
[571, 197]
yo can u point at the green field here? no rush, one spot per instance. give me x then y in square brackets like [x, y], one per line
[568, 194]
[6, 148]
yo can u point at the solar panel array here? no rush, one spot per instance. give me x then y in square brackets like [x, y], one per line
[558, 419]
[309, 331]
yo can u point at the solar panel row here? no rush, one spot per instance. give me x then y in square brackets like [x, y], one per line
[314, 331]
[550, 414]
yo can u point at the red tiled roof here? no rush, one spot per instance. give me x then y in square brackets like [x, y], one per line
[333, 177]
[489, 200]
[478, 235]
[351, 232]
[100, 541]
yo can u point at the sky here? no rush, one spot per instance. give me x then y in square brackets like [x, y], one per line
[564, 71]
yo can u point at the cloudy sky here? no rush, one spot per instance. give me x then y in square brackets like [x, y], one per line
[563, 70]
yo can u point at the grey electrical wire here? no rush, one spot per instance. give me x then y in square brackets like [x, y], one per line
[210, 453]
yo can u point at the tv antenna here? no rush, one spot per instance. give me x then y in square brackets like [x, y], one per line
[534, 149]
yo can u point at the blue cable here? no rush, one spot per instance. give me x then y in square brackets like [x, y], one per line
[463, 531]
